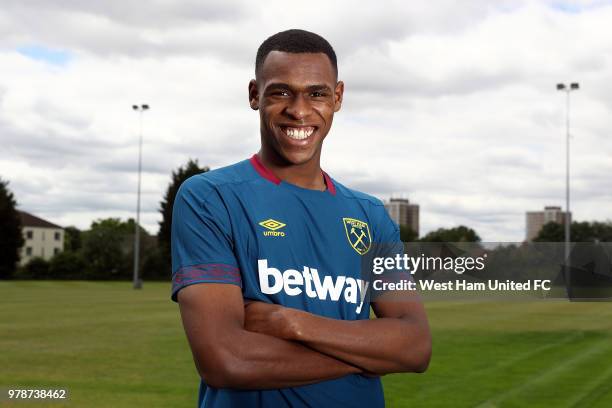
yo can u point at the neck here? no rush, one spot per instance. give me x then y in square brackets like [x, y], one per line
[306, 175]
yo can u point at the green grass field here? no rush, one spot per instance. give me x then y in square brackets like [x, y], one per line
[112, 346]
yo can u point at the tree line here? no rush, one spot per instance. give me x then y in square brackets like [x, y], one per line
[551, 232]
[103, 252]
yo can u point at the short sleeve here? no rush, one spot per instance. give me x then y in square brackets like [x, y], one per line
[390, 245]
[202, 241]
[386, 231]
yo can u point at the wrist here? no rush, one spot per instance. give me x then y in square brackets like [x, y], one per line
[294, 322]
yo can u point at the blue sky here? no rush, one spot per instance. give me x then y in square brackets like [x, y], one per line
[45, 54]
[574, 7]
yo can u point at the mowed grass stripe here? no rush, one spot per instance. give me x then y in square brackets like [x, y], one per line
[111, 345]
[471, 366]
[481, 369]
[571, 369]
[506, 359]
[114, 346]
[599, 394]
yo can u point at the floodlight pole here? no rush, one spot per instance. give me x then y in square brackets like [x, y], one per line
[574, 86]
[137, 283]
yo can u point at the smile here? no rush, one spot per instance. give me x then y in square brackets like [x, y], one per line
[298, 133]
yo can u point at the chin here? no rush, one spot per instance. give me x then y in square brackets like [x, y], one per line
[297, 158]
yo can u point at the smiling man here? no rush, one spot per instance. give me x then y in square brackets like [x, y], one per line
[267, 255]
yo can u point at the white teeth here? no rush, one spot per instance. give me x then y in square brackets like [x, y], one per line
[299, 133]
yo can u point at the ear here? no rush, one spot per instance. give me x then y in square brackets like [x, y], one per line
[338, 95]
[253, 95]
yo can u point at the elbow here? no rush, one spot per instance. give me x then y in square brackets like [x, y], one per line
[214, 375]
[223, 369]
[422, 362]
[418, 355]
[217, 378]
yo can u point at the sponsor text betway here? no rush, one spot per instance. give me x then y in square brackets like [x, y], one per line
[308, 281]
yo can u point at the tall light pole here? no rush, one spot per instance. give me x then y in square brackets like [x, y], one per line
[137, 282]
[574, 86]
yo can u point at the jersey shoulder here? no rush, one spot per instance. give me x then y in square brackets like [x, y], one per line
[236, 173]
[352, 194]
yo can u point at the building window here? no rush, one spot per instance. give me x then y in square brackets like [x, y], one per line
[56, 251]
[29, 234]
[29, 251]
[57, 236]
[43, 235]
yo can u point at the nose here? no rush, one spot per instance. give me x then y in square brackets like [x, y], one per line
[299, 108]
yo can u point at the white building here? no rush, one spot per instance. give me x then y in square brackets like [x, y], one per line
[42, 238]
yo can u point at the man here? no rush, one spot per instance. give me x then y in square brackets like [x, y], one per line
[267, 257]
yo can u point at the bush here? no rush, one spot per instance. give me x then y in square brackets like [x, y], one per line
[155, 265]
[67, 265]
[37, 268]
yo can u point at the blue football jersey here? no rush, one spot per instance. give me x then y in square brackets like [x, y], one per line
[281, 244]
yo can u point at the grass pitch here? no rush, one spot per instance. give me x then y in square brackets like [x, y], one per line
[113, 346]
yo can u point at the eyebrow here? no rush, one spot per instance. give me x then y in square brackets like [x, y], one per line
[310, 88]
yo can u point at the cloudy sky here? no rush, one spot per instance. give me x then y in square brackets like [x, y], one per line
[450, 104]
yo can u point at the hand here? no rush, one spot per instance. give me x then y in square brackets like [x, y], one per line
[271, 319]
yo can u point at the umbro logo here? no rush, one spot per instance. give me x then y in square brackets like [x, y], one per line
[271, 227]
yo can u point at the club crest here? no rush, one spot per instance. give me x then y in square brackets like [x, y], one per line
[358, 235]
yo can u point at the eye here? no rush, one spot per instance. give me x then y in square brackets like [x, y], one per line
[318, 94]
[280, 93]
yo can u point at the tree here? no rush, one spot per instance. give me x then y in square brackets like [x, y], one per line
[72, 239]
[591, 231]
[154, 266]
[108, 248]
[181, 174]
[456, 234]
[579, 232]
[551, 232]
[407, 234]
[11, 237]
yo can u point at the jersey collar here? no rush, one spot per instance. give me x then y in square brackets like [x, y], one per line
[268, 175]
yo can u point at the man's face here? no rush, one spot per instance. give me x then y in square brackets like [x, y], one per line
[297, 95]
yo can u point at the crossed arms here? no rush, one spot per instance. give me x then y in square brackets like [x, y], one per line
[260, 345]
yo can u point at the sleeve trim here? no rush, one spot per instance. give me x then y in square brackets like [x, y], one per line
[202, 273]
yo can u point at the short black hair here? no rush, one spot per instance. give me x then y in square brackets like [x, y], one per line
[296, 42]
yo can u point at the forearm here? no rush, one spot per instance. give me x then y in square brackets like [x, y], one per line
[227, 355]
[383, 345]
[258, 361]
